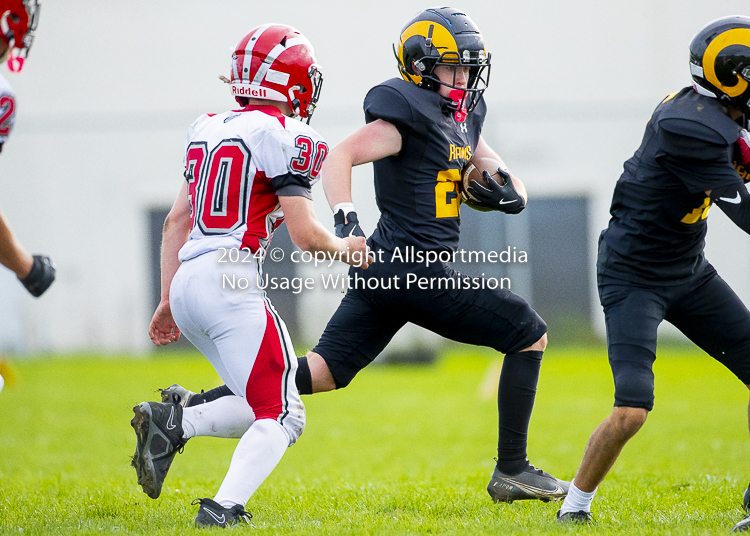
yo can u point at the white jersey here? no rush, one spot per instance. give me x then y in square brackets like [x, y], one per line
[7, 109]
[236, 165]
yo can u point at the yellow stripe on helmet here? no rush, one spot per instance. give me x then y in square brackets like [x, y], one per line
[442, 39]
[735, 36]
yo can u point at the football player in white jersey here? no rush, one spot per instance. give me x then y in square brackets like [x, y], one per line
[18, 20]
[246, 171]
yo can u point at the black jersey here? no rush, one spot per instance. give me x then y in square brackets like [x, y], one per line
[416, 190]
[659, 208]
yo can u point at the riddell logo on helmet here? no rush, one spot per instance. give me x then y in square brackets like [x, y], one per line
[242, 91]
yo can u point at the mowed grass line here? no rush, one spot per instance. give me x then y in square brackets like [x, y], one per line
[402, 450]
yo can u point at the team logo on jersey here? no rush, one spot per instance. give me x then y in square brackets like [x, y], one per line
[459, 153]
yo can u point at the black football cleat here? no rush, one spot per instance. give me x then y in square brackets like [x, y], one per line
[158, 431]
[742, 526]
[746, 500]
[212, 514]
[531, 483]
[183, 395]
[581, 517]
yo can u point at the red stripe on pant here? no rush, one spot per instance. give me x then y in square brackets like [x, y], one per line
[264, 391]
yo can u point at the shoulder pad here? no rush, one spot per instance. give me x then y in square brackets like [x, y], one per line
[297, 151]
[697, 116]
[414, 105]
[197, 122]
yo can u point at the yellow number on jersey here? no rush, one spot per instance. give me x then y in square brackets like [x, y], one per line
[446, 194]
[700, 213]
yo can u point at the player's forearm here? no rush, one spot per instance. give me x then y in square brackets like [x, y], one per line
[12, 253]
[372, 142]
[337, 177]
[316, 238]
[174, 236]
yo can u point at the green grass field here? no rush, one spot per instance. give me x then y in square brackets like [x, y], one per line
[402, 450]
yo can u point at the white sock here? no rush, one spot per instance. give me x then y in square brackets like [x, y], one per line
[577, 500]
[228, 416]
[257, 454]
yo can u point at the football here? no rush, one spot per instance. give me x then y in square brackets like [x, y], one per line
[473, 171]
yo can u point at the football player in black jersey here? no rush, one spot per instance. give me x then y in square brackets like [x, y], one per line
[421, 130]
[651, 266]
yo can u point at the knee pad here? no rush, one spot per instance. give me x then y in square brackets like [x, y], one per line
[633, 374]
[533, 328]
[293, 425]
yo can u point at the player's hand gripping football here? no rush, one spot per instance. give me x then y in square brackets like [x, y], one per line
[41, 276]
[503, 197]
[357, 252]
[163, 329]
[347, 225]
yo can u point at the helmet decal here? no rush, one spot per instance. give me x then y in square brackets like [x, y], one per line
[438, 38]
[735, 36]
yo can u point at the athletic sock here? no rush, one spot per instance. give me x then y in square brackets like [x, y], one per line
[577, 500]
[210, 395]
[303, 379]
[229, 416]
[515, 401]
[257, 454]
[216, 393]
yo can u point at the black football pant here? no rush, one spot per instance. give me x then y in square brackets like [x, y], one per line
[705, 309]
[368, 318]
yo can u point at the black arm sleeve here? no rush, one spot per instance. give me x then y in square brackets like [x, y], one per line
[734, 201]
[291, 185]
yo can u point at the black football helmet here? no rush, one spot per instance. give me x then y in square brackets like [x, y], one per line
[443, 36]
[720, 61]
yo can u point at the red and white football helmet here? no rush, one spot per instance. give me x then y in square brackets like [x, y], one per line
[276, 62]
[18, 21]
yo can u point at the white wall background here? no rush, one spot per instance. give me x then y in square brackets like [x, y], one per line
[110, 88]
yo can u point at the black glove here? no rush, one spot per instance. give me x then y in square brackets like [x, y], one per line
[40, 277]
[348, 226]
[503, 198]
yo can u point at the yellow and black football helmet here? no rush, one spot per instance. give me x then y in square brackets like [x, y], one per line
[720, 61]
[443, 36]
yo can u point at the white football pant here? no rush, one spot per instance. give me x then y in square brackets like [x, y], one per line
[246, 341]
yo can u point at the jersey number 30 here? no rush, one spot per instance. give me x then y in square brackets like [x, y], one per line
[218, 204]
